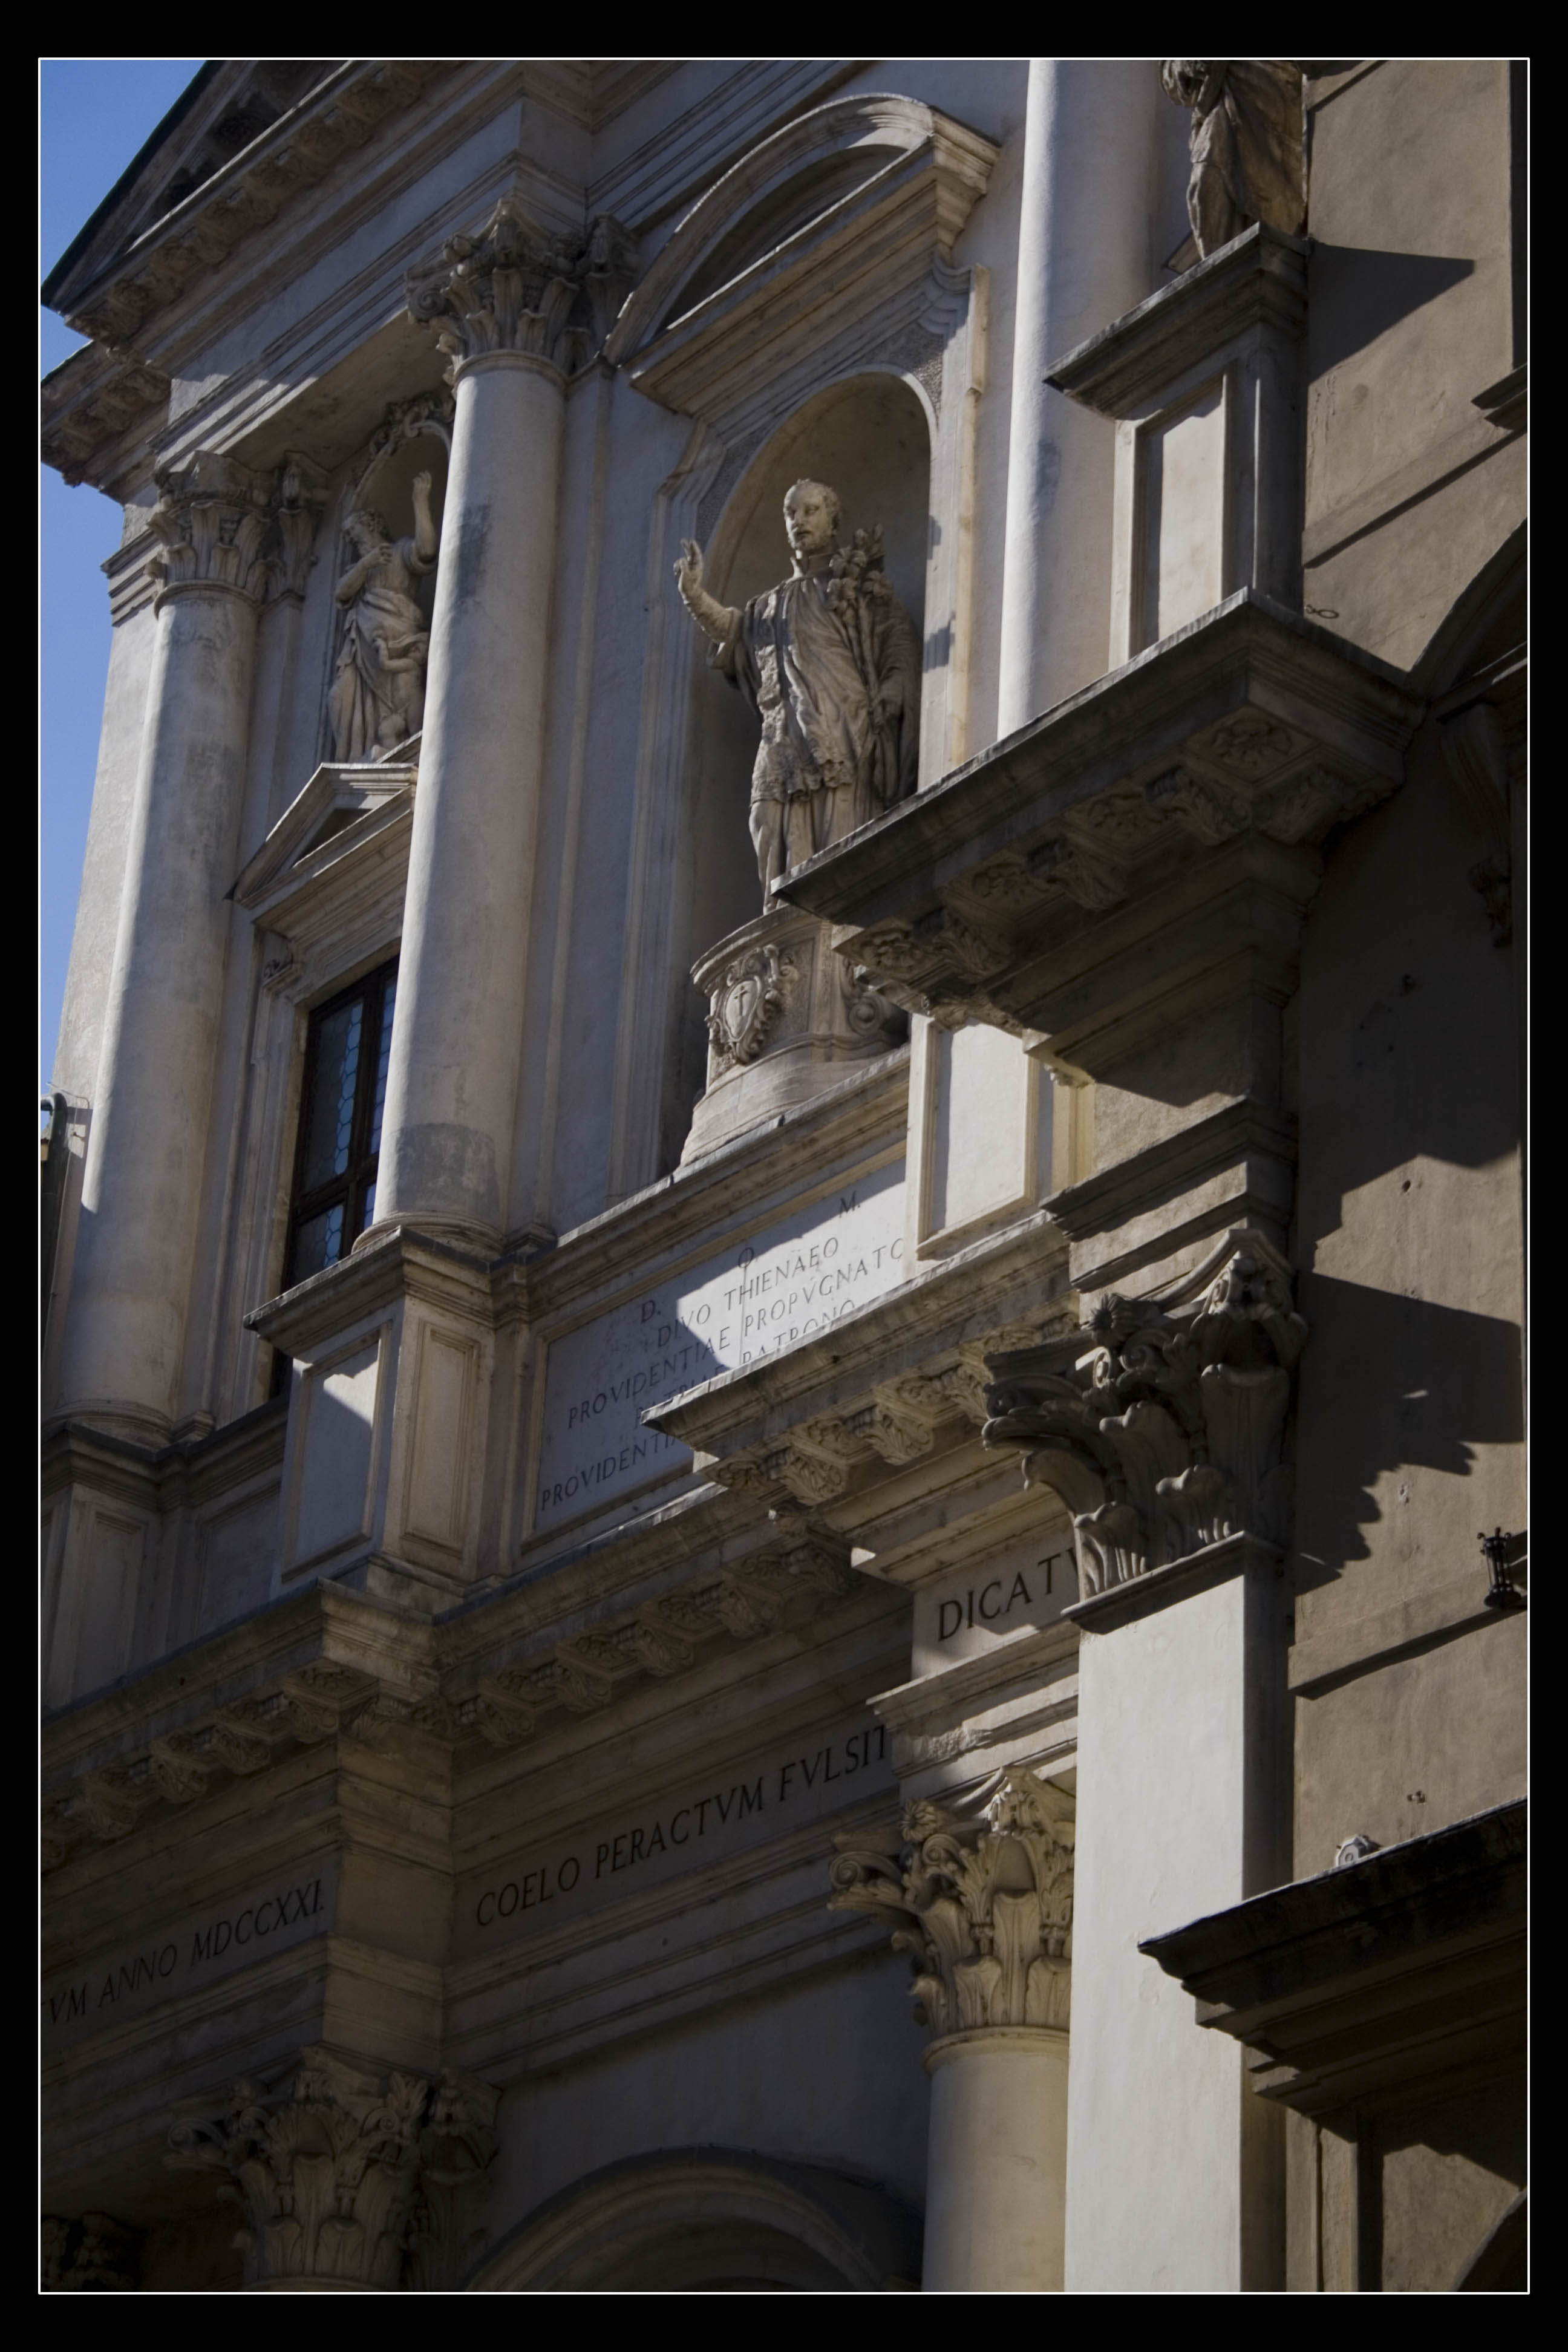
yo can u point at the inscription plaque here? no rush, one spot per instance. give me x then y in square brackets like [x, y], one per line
[767, 1291]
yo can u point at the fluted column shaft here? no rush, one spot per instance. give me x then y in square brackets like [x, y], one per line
[1090, 143]
[452, 1082]
[148, 1138]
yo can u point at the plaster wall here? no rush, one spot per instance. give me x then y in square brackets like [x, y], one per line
[1410, 1244]
[824, 2070]
[1409, 486]
[1409, 278]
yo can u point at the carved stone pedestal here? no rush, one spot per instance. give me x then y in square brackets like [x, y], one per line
[786, 1018]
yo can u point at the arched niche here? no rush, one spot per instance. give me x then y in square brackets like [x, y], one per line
[709, 2220]
[415, 436]
[869, 437]
[822, 264]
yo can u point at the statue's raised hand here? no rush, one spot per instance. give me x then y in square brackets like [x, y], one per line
[689, 569]
[422, 485]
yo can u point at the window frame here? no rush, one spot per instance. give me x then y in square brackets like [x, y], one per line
[363, 1167]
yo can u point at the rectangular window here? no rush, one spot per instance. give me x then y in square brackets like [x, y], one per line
[346, 1052]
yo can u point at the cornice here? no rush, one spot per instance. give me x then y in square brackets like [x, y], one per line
[929, 1317]
[298, 151]
[821, 1140]
[1259, 277]
[189, 1470]
[936, 1701]
[90, 400]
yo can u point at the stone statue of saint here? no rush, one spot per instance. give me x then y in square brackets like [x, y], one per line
[1247, 145]
[378, 699]
[830, 662]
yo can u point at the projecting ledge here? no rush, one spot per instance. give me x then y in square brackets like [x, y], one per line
[1408, 1961]
[1032, 887]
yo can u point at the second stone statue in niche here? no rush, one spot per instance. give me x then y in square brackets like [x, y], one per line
[830, 662]
[378, 699]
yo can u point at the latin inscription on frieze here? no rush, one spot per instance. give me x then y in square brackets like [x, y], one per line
[780, 1286]
[957, 1616]
[177, 1960]
[763, 1799]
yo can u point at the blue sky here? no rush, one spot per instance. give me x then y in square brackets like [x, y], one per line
[94, 113]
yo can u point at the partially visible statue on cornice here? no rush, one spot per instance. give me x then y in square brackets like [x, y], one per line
[1247, 145]
[378, 699]
[830, 662]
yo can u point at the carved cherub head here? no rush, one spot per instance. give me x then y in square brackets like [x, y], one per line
[811, 520]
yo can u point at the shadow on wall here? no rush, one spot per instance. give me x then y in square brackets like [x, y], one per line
[1405, 1384]
[1357, 294]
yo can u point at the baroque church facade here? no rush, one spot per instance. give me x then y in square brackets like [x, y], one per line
[783, 1221]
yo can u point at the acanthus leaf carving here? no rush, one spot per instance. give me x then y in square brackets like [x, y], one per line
[581, 1682]
[457, 2147]
[111, 1804]
[1210, 814]
[1083, 870]
[979, 1893]
[658, 1645]
[1305, 807]
[1160, 1426]
[515, 286]
[214, 524]
[1252, 744]
[178, 1772]
[96, 2254]
[335, 2168]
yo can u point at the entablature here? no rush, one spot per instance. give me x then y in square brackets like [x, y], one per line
[871, 1393]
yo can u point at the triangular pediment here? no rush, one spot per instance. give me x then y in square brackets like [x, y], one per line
[342, 808]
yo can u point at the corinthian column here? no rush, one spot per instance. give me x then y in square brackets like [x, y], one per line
[982, 1895]
[502, 302]
[147, 1144]
[1090, 139]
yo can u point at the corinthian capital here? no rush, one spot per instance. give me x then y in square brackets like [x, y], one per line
[980, 1893]
[519, 287]
[213, 518]
[1160, 1424]
[344, 2173]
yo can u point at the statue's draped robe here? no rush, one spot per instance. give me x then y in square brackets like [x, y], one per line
[1246, 139]
[364, 693]
[834, 678]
